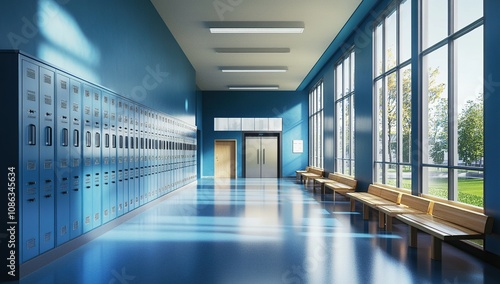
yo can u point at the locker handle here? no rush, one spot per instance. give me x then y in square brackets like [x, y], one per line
[64, 192]
[88, 139]
[76, 138]
[97, 140]
[31, 134]
[258, 156]
[263, 156]
[48, 195]
[48, 136]
[75, 189]
[65, 137]
[31, 200]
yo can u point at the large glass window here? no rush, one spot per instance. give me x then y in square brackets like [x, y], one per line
[316, 126]
[452, 100]
[344, 114]
[392, 100]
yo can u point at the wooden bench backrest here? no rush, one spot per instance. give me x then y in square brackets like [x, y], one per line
[463, 217]
[384, 192]
[347, 180]
[416, 202]
[317, 171]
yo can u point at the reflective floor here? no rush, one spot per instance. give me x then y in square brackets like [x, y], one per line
[258, 231]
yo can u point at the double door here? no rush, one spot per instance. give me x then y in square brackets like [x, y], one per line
[261, 157]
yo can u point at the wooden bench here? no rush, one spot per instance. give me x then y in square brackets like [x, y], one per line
[338, 183]
[447, 222]
[298, 174]
[409, 204]
[311, 174]
[377, 195]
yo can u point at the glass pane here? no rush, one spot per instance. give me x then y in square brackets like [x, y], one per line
[434, 21]
[338, 165]
[378, 49]
[390, 174]
[390, 41]
[471, 187]
[340, 126]
[338, 83]
[352, 70]
[347, 71]
[469, 89]
[405, 31]
[391, 117]
[352, 127]
[353, 168]
[347, 128]
[406, 177]
[436, 180]
[466, 12]
[378, 173]
[347, 167]
[380, 121]
[405, 75]
[435, 107]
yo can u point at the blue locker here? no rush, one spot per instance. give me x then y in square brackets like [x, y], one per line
[76, 179]
[131, 157]
[96, 157]
[126, 185]
[113, 157]
[30, 204]
[105, 151]
[47, 163]
[142, 160]
[137, 172]
[62, 159]
[120, 153]
[87, 173]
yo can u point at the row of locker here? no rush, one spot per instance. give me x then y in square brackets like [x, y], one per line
[89, 156]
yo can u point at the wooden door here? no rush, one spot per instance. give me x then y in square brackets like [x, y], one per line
[225, 159]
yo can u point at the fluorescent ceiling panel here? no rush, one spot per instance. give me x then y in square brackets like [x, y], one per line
[254, 88]
[254, 69]
[253, 50]
[256, 27]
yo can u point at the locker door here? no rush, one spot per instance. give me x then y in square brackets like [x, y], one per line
[141, 157]
[131, 157]
[105, 151]
[120, 184]
[125, 157]
[113, 158]
[252, 157]
[87, 159]
[75, 195]
[47, 163]
[30, 204]
[137, 157]
[269, 152]
[96, 157]
[62, 157]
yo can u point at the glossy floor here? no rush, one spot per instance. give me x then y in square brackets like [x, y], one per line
[258, 231]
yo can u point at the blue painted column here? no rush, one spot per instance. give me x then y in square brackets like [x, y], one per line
[416, 102]
[491, 121]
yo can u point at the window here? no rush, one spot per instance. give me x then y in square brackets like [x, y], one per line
[392, 99]
[316, 126]
[452, 100]
[344, 114]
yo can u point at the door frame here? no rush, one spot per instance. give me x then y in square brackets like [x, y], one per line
[261, 134]
[235, 174]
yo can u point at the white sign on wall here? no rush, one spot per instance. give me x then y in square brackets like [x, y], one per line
[298, 146]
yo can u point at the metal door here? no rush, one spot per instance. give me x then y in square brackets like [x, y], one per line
[261, 157]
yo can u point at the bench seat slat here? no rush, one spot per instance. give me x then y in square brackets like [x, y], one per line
[439, 228]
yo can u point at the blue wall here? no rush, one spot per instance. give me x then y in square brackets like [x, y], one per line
[292, 107]
[123, 46]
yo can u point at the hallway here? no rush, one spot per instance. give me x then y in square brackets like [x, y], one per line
[258, 231]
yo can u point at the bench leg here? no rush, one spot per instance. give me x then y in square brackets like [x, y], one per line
[353, 205]
[314, 185]
[366, 212]
[436, 245]
[381, 219]
[413, 237]
[388, 223]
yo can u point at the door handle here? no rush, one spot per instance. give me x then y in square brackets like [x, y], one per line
[257, 156]
[263, 156]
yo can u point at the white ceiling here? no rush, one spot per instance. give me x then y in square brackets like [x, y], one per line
[188, 19]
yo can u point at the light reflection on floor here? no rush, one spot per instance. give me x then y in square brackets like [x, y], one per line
[258, 231]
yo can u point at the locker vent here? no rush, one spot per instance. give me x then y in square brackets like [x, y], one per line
[48, 100]
[64, 85]
[31, 166]
[31, 73]
[31, 96]
[47, 165]
[63, 230]
[75, 225]
[31, 243]
[47, 237]
[47, 79]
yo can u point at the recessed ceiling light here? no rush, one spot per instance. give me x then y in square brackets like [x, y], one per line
[253, 50]
[254, 88]
[256, 27]
[254, 69]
